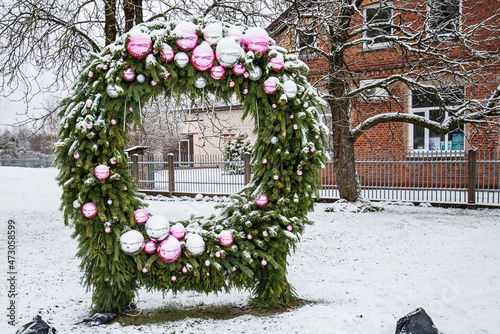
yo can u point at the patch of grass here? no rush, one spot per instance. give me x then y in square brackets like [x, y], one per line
[219, 312]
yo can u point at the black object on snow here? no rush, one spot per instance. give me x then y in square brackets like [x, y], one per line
[101, 318]
[36, 326]
[416, 322]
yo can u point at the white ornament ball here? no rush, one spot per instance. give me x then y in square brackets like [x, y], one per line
[195, 244]
[132, 242]
[274, 140]
[181, 59]
[228, 51]
[157, 227]
[169, 250]
[290, 88]
[140, 78]
[212, 33]
[255, 74]
[76, 204]
[200, 82]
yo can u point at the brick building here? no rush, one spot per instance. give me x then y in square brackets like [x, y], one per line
[374, 57]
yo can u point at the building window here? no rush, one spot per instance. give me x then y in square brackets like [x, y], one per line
[378, 22]
[444, 16]
[306, 38]
[426, 105]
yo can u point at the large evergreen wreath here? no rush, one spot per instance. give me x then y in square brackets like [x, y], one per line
[247, 244]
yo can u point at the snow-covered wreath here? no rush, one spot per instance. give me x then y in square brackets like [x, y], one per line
[122, 246]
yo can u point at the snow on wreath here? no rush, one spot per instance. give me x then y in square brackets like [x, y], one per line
[123, 246]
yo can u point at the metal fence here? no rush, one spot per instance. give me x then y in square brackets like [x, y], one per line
[433, 177]
[41, 161]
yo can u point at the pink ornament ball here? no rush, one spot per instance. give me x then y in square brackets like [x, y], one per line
[276, 177]
[167, 74]
[264, 161]
[107, 229]
[184, 270]
[274, 106]
[89, 210]
[217, 254]
[202, 57]
[125, 188]
[101, 172]
[226, 239]
[256, 40]
[121, 60]
[167, 53]
[112, 161]
[128, 74]
[234, 269]
[169, 250]
[173, 278]
[130, 109]
[263, 262]
[295, 127]
[294, 75]
[153, 83]
[299, 172]
[217, 72]
[277, 63]
[76, 156]
[104, 67]
[265, 234]
[231, 83]
[246, 74]
[261, 200]
[139, 45]
[239, 68]
[113, 121]
[245, 91]
[91, 74]
[144, 270]
[189, 36]
[249, 236]
[312, 150]
[90, 126]
[140, 216]
[270, 85]
[150, 247]
[88, 104]
[289, 228]
[292, 116]
[178, 231]
[316, 137]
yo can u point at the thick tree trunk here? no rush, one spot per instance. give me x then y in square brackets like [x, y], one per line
[343, 154]
[110, 24]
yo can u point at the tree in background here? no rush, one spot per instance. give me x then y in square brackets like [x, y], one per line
[443, 52]
[234, 154]
[43, 42]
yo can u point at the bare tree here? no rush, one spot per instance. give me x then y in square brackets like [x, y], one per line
[43, 42]
[443, 51]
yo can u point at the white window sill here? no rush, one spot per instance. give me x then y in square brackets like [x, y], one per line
[435, 154]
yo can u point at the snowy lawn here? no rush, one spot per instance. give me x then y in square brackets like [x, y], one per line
[360, 271]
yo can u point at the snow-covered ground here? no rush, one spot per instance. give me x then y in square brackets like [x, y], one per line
[361, 271]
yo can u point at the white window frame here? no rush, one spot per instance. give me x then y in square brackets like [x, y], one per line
[427, 110]
[443, 33]
[379, 45]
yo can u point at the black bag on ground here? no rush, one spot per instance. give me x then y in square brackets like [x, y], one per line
[36, 326]
[416, 322]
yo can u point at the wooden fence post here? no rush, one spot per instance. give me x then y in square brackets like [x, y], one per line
[135, 168]
[248, 168]
[171, 173]
[471, 179]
